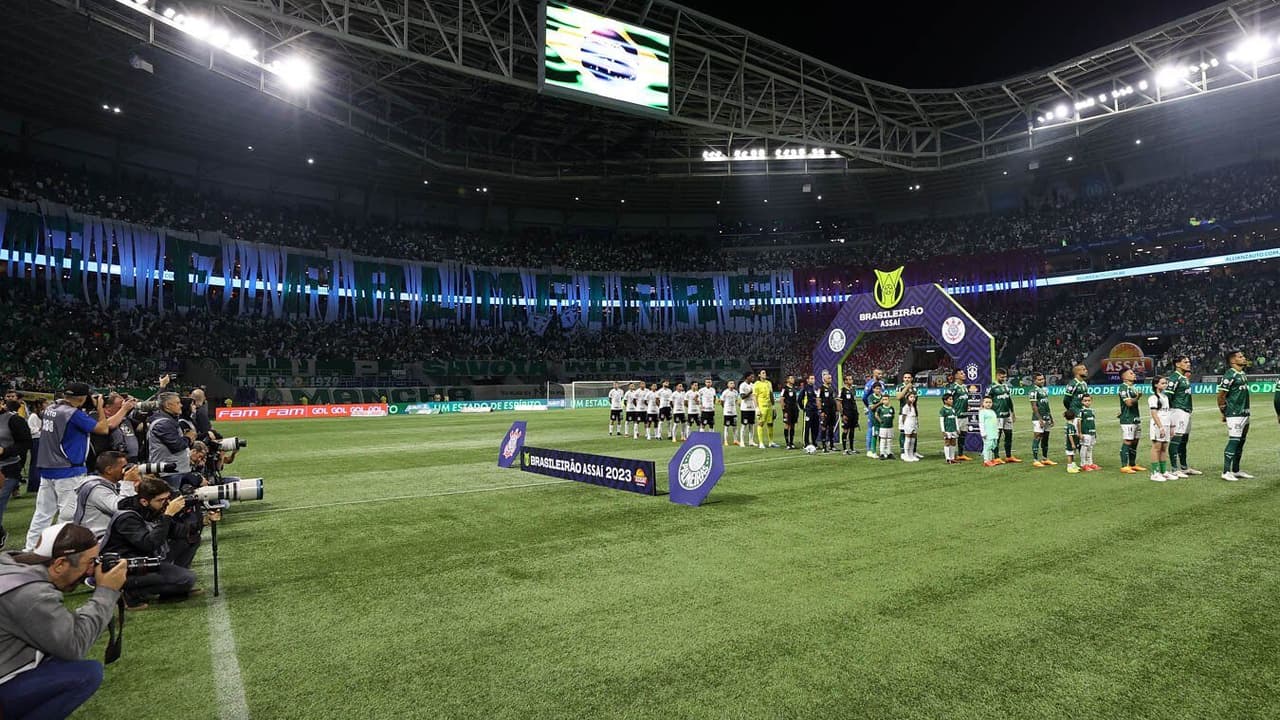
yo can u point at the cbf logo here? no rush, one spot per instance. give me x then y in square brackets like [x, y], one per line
[971, 371]
[889, 288]
[695, 467]
[952, 330]
[836, 341]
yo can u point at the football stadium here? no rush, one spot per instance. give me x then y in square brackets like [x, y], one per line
[638, 359]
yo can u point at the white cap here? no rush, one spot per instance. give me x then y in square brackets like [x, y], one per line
[49, 538]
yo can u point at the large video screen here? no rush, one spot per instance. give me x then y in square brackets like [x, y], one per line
[607, 59]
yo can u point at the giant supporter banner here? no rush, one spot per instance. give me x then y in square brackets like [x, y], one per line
[637, 476]
[300, 412]
[105, 262]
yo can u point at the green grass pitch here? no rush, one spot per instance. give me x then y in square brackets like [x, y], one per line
[393, 571]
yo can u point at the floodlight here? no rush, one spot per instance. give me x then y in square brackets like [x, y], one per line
[169, 13]
[198, 27]
[219, 37]
[295, 72]
[1253, 49]
[1061, 112]
[1168, 76]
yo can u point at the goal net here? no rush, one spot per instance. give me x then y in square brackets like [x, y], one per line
[583, 394]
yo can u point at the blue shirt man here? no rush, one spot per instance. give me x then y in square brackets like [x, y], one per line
[64, 444]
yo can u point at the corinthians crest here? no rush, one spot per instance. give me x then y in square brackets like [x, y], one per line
[889, 288]
[513, 441]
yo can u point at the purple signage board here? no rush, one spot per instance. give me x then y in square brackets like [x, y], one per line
[637, 476]
[894, 306]
[695, 469]
[509, 450]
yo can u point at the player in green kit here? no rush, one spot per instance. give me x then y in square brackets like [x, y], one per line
[1129, 412]
[1180, 416]
[1041, 422]
[1088, 434]
[959, 393]
[1076, 390]
[1233, 403]
[947, 420]
[1002, 403]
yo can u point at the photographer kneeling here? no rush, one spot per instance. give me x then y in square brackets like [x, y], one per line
[43, 673]
[167, 441]
[98, 497]
[142, 527]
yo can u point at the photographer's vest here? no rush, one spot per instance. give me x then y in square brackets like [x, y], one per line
[7, 441]
[11, 579]
[62, 448]
[104, 544]
[82, 502]
[125, 440]
[158, 453]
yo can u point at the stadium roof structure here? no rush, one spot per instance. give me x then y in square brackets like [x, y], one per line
[451, 90]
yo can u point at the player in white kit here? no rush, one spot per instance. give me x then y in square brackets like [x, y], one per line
[678, 402]
[615, 410]
[629, 402]
[664, 408]
[747, 396]
[707, 404]
[729, 399]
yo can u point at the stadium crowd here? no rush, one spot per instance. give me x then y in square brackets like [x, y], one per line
[1236, 193]
[1205, 314]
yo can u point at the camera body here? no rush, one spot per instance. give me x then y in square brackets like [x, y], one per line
[137, 565]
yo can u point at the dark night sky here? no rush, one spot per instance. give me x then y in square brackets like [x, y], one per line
[952, 44]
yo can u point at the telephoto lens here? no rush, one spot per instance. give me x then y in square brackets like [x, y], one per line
[232, 444]
[160, 468]
[148, 406]
[239, 491]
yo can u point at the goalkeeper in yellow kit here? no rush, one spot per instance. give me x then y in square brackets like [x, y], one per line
[764, 410]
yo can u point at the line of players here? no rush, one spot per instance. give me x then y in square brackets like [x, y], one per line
[829, 412]
[671, 414]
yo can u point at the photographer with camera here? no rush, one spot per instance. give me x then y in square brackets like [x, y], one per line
[98, 497]
[64, 445]
[200, 416]
[196, 476]
[167, 440]
[142, 527]
[188, 525]
[123, 437]
[43, 673]
[15, 442]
